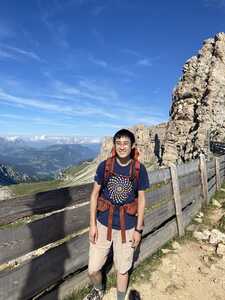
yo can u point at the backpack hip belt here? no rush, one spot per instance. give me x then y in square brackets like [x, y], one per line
[130, 208]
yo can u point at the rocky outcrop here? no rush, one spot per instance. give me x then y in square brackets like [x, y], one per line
[148, 139]
[6, 193]
[9, 175]
[198, 104]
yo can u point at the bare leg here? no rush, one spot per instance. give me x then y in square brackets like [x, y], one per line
[122, 281]
[96, 278]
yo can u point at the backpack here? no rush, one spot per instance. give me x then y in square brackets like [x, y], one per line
[131, 208]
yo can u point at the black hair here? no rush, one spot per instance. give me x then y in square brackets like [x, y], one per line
[126, 133]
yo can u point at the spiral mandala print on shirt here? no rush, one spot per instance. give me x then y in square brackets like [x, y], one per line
[119, 188]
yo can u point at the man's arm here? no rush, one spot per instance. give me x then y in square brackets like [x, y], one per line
[93, 234]
[141, 209]
[140, 219]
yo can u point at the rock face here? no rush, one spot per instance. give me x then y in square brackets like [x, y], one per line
[198, 104]
[9, 175]
[148, 140]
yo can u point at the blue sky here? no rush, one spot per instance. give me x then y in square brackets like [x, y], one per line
[91, 67]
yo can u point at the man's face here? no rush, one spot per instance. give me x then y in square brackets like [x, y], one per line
[123, 147]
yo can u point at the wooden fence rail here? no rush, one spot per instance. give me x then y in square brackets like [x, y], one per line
[176, 194]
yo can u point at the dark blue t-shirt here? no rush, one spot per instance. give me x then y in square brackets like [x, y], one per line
[120, 190]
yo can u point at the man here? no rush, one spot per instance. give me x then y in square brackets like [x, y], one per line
[116, 213]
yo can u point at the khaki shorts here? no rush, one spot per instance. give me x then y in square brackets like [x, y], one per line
[122, 252]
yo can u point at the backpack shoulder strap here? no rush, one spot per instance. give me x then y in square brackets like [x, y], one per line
[109, 167]
[137, 169]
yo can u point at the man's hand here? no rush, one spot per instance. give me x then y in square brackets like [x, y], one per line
[93, 234]
[136, 239]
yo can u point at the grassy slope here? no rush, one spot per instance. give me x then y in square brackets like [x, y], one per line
[73, 176]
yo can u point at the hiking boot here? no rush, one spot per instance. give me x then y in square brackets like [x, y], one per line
[94, 295]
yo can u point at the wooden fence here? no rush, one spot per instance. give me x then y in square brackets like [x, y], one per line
[60, 220]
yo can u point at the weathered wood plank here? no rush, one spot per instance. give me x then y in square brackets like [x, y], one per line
[158, 176]
[210, 174]
[212, 191]
[222, 168]
[163, 192]
[210, 164]
[191, 195]
[204, 181]
[222, 157]
[36, 275]
[44, 202]
[18, 241]
[177, 198]
[222, 176]
[67, 287]
[218, 180]
[187, 168]
[190, 180]
[222, 172]
[211, 183]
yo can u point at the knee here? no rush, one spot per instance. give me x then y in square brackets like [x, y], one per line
[92, 273]
[122, 273]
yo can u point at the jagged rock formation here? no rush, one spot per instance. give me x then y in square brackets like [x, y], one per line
[198, 104]
[6, 193]
[148, 140]
[9, 175]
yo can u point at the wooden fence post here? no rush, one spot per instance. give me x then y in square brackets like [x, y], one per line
[204, 178]
[177, 199]
[218, 180]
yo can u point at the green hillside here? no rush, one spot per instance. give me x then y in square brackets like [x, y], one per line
[76, 175]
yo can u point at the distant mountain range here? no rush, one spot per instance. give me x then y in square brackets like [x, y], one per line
[43, 157]
[40, 141]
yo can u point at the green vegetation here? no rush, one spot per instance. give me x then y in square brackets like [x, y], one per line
[221, 225]
[78, 294]
[23, 189]
[219, 195]
[73, 171]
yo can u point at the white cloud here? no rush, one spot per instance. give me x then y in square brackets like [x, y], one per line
[85, 89]
[131, 52]
[99, 62]
[39, 121]
[58, 30]
[6, 97]
[105, 125]
[144, 62]
[5, 55]
[72, 110]
[13, 53]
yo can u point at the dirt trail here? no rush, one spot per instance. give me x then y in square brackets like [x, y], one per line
[192, 271]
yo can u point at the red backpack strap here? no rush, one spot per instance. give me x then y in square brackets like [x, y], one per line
[134, 153]
[137, 169]
[109, 167]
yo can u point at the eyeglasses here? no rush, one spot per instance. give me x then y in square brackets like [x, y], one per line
[125, 144]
